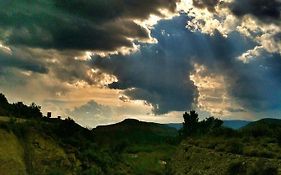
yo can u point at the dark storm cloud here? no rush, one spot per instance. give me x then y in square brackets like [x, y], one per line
[111, 9]
[159, 73]
[209, 4]
[265, 10]
[8, 60]
[256, 85]
[76, 24]
[60, 65]
[152, 75]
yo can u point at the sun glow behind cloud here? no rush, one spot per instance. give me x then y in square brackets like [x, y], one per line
[213, 96]
[5, 48]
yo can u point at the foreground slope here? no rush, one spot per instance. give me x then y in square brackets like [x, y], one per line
[255, 149]
[30, 151]
[11, 154]
[53, 146]
[191, 159]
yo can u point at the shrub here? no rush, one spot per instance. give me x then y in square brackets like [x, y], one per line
[234, 147]
[260, 168]
[92, 171]
[224, 132]
[278, 138]
[56, 172]
[237, 167]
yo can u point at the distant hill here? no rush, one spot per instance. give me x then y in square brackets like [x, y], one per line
[134, 131]
[267, 121]
[33, 144]
[177, 126]
[234, 124]
[264, 127]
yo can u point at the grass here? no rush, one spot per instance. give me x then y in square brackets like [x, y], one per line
[192, 159]
[56, 147]
[11, 154]
[227, 155]
[7, 119]
[149, 159]
[52, 146]
[25, 150]
[259, 167]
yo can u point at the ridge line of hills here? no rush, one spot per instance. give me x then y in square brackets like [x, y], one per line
[36, 145]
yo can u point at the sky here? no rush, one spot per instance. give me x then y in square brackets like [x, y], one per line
[101, 61]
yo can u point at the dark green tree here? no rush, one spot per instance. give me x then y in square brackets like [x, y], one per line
[190, 123]
[19, 109]
[4, 105]
[211, 123]
[192, 126]
[3, 100]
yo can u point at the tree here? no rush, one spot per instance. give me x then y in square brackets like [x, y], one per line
[212, 122]
[3, 100]
[192, 126]
[4, 105]
[190, 123]
[19, 109]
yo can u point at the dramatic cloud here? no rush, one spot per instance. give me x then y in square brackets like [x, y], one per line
[93, 113]
[157, 73]
[264, 32]
[209, 4]
[265, 10]
[126, 58]
[80, 25]
[250, 83]
[160, 73]
[11, 60]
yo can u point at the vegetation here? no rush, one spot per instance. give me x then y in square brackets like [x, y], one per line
[47, 146]
[19, 109]
[192, 126]
[209, 148]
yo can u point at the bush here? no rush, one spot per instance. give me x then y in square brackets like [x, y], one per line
[224, 132]
[56, 172]
[278, 138]
[234, 147]
[19, 109]
[93, 171]
[260, 168]
[237, 167]
[120, 147]
[193, 127]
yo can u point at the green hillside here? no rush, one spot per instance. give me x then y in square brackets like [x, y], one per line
[24, 149]
[254, 149]
[46, 146]
[191, 159]
[37, 145]
[53, 146]
[263, 127]
[134, 131]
